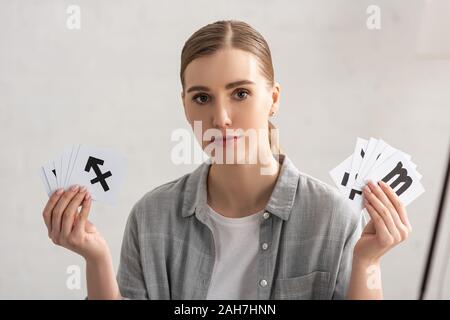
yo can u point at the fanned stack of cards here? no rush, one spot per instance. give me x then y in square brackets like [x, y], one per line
[101, 170]
[377, 161]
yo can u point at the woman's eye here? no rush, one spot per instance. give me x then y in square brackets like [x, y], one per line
[200, 98]
[242, 94]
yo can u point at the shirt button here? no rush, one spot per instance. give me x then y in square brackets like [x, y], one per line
[263, 283]
[264, 246]
[266, 215]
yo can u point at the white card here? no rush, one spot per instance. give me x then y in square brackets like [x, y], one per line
[50, 173]
[376, 160]
[370, 160]
[73, 158]
[65, 158]
[358, 156]
[45, 181]
[58, 173]
[367, 154]
[387, 152]
[341, 174]
[398, 173]
[354, 196]
[101, 171]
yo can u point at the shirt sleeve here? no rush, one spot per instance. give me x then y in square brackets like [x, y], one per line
[130, 277]
[345, 265]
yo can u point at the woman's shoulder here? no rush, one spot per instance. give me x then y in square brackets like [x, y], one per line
[169, 197]
[316, 184]
[164, 195]
[313, 186]
[325, 200]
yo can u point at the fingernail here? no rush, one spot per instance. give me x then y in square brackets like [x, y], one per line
[88, 196]
[366, 189]
[83, 189]
[74, 188]
[59, 191]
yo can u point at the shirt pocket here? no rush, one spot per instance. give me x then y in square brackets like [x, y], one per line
[311, 286]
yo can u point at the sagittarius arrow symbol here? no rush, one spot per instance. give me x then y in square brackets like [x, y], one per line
[93, 163]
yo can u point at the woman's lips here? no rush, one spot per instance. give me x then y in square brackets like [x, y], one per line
[225, 140]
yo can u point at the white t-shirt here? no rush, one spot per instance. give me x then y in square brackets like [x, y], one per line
[236, 243]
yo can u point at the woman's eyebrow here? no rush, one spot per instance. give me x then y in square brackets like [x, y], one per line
[238, 83]
[230, 85]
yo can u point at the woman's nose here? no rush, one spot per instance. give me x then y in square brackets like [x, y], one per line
[221, 117]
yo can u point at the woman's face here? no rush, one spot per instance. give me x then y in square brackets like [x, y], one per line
[226, 91]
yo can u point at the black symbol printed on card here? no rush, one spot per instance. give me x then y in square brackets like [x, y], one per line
[402, 177]
[94, 163]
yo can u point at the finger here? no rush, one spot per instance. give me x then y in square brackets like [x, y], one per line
[59, 209]
[395, 200]
[69, 214]
[380, 225]
[383, 211]
[84, 213]
[401, 227]
[47, 212]
[379, 193]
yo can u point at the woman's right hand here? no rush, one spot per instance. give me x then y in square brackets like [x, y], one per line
[71, 229]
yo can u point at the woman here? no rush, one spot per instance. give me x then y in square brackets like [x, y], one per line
[253, 227]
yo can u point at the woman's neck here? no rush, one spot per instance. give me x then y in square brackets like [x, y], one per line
[238, 190]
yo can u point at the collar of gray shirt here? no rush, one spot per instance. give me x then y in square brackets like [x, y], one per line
[281, 200]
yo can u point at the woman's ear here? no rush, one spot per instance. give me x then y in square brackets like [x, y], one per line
[275, 98]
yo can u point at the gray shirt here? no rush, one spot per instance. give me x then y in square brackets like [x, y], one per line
[306, 238]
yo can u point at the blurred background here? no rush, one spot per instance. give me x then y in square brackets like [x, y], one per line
[115, 83]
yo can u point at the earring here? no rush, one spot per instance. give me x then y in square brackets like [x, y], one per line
[272, 113]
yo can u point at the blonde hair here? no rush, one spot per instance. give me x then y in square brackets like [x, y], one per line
[235, 34]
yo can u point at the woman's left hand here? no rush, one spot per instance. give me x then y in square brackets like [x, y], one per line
[389, 224]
